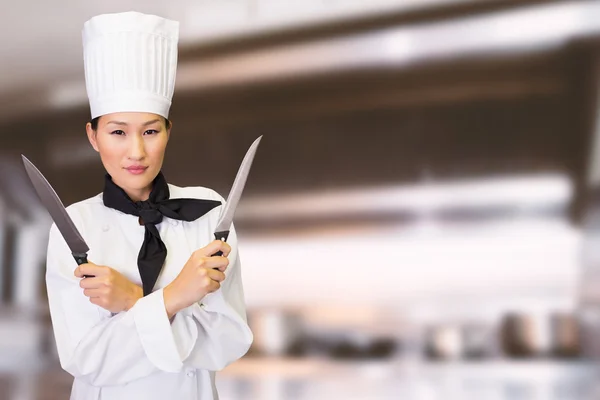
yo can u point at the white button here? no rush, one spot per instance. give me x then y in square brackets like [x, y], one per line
[202, 305]
[105, 228]
[191, 374]
[174, 222]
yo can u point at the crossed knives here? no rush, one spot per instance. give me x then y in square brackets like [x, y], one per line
[69, 232]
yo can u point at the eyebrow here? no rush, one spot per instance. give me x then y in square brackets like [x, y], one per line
[125, 123]
[116, 123]
[150, 122]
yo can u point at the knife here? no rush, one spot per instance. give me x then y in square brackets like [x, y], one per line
[226, 218]
[57, 211]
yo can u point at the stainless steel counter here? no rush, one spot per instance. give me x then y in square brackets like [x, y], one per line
[316, 379]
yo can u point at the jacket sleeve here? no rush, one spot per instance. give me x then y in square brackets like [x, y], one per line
[103, 349]
[223, 335]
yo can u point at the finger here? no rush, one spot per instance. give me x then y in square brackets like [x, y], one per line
[92, 283]
[90, 269]
[214, 247]
[226, 248]
[218, 262]
[93, 292]
[216, 275]
[221, 268]
[82, 269]
[214, 286]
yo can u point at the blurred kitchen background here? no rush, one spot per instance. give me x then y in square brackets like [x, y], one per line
[422, 220]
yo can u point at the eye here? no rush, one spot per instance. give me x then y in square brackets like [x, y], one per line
[150, 132]
[117, 132]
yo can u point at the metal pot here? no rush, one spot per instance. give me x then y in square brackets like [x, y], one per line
[566, 335]
[444, 342]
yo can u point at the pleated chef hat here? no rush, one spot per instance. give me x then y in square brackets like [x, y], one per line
[130, 61]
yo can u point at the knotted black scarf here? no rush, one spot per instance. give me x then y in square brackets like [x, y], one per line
[153, 252]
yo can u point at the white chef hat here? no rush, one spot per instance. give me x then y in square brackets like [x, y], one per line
[130, 61]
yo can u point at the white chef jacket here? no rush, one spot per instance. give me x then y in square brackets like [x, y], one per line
[140, 354]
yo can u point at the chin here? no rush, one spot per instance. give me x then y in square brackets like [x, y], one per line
[140, 181]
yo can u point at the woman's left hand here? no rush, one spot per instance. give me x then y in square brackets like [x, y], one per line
[108, 288]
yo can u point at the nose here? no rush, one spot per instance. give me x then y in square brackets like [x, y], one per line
[137, 150]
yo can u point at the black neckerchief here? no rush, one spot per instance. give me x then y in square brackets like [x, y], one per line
[153, 252]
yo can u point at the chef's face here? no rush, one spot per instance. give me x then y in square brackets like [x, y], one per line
[132, 148]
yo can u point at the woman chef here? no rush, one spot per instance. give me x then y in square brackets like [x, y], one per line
[152, 315]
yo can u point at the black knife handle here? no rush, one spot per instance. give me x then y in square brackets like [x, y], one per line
[223, 235]
[82, 259]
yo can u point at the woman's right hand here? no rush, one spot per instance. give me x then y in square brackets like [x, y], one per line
[201, 274]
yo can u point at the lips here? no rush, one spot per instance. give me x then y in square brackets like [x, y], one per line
[136, 169]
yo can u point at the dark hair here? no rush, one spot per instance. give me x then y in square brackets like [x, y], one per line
[94, 123]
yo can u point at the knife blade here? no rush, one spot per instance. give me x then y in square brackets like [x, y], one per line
[226, 217]
[57, 211]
